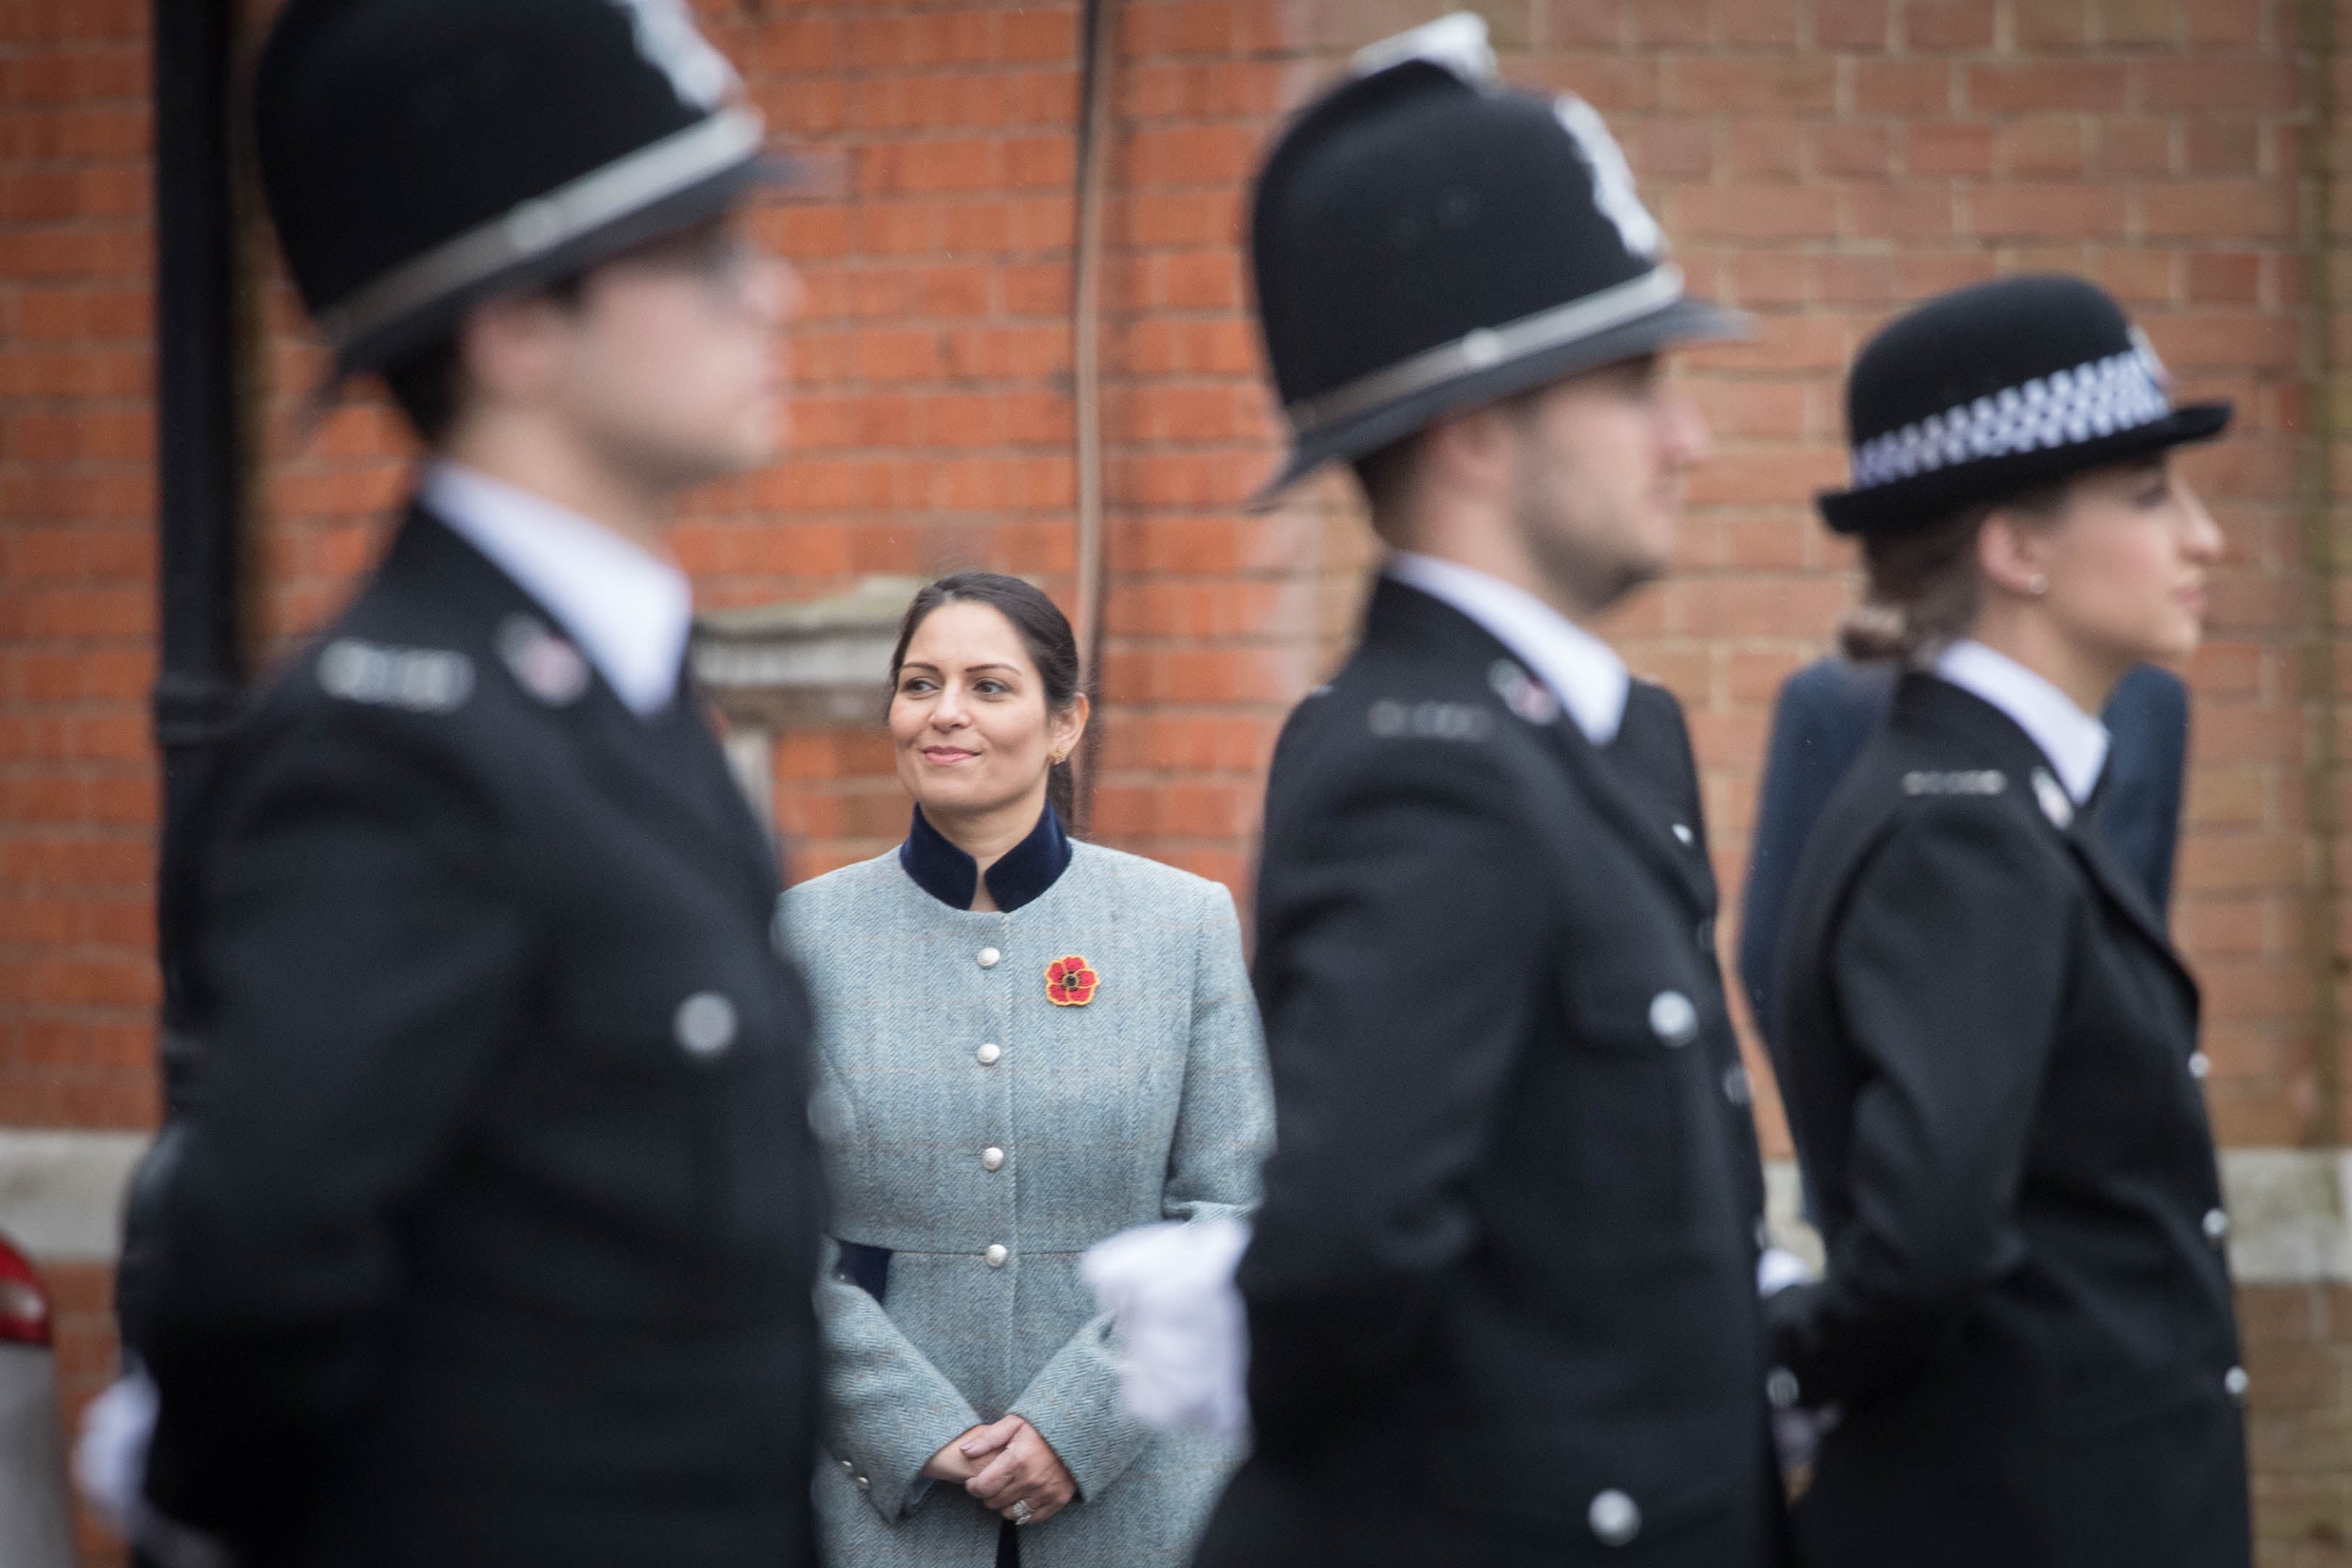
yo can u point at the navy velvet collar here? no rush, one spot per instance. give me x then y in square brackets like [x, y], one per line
[1021, 875]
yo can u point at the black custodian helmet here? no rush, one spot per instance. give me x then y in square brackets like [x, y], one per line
[420, 156]
[1425, 239]
[1997, 388]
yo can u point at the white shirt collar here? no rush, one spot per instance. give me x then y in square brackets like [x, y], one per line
[629, 610]
[2075, 743]
[1581, 671]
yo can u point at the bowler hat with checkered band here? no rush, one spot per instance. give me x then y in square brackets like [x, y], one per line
[1996, 389]
[419, 156]
[1424, 239]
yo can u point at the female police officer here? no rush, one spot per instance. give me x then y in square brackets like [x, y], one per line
[2025, 1325]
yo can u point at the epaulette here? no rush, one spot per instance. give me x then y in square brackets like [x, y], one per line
[1429, 720]
[414, 679]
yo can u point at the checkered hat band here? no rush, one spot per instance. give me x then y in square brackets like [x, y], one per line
[2064, 408]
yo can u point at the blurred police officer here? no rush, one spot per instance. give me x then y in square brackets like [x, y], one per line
[1990, 1045]
[491, 1237]
[1501, 1295]
[1828, 712]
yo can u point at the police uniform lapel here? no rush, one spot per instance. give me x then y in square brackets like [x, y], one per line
[1607, 787]
[1424, 626]
[2024, 768]
[1665, 773]
[2090, 846]
[658, 754]
[625, 752]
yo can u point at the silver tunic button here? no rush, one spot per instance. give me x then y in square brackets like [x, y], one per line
[2217, 1225]
[863, 1484]
[989, 1053]
[992, 1159]
[2056, 803]
[1673, 1018]
[1615, 1517]
[2236, 1380]
[705, 1024]
[1781, 1388]
[849, 1465]
[1683, 832]
[988, 957]
[2200, 1064]
[996, 1255]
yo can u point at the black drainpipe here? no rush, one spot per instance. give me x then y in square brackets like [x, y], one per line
[198, 493]
[198, 477]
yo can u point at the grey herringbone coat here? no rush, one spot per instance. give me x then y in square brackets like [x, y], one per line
[1149, 1103]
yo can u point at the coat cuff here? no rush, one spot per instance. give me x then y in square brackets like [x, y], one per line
[884, 1456]
[1073, 1403]
[889, 1410]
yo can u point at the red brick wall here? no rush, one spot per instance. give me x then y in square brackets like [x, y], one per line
[1818, 162]
[77, 985]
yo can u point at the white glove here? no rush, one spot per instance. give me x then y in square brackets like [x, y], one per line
[110, 1467]
[1778, 1268]
[1169, 1290]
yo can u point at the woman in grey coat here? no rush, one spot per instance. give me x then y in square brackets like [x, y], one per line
[1025, 1045]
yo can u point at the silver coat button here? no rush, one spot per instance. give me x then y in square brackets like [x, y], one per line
[1683, 832]
[2217, 1225]
[992, 1159]
[863, 1484]
[1673, 1018]
[1734, 1086]
[849, 1465]
[989, 1053]
[996, 1255]
[2200, 1064]
[705, 1024]
[988, 957]
[2236, 1381]
[1615, 1517]
[1781, 1388]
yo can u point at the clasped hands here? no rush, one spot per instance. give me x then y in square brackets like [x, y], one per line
[1004, 1464]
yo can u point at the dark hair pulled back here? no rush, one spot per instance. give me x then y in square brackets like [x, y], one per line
[1922, 587]
[1045, 632]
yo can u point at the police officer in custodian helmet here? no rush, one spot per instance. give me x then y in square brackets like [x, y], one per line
[491, 1237]
[2024, 1342]
[1501, 1296]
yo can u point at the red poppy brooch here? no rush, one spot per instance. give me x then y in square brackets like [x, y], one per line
[1070, 981]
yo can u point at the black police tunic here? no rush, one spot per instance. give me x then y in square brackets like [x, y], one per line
[1990, 1073]
[492, 1236]
[1501, 1296]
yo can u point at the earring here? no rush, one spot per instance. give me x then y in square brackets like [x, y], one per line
[2037, 585]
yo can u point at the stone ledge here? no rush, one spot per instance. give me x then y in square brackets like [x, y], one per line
[2290, 1214]
[61, 1193]
[811, 663]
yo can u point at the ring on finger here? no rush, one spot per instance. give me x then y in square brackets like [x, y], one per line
[1021, 1512]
